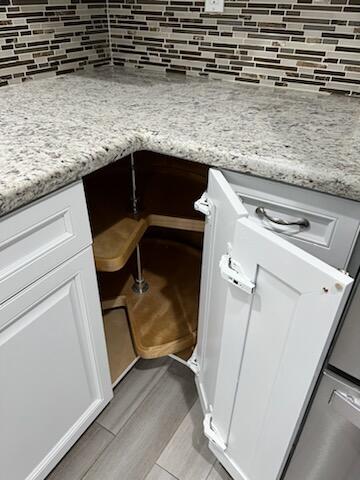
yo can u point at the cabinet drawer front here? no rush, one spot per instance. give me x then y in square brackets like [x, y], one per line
[41, 236]
[333, 222]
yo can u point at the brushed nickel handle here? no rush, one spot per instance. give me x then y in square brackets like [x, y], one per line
[302, 222]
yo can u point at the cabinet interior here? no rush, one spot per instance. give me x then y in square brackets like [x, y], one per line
[169, 232]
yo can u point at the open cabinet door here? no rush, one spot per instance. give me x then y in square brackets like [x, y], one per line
[268, 311]
[222, 211]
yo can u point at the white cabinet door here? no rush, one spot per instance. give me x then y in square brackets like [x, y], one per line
[54, 375]
[257, 375]
[224, 209]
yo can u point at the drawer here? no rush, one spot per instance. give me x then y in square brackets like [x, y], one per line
[333, 223]
[40, 236]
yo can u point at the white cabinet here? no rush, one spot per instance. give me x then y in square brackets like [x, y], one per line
[332, 222]
[54, 373]
[41, 236]
[268, 310]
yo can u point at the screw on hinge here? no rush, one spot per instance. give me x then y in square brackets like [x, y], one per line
[341, 270]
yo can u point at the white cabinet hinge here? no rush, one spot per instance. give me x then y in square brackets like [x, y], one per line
[203, 205]
[231, 271]
[211, 433]
[193, 364]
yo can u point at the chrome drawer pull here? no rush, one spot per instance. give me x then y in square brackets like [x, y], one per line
[302, 222]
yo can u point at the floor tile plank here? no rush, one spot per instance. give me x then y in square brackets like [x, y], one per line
[218, 473]
[157, 473]
[187, 455]
[83, 454]
[131, 391]
[134, 451]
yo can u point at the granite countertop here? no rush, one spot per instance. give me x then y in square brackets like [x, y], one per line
[57, 130]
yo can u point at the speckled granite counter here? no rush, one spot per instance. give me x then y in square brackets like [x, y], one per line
[55, 131]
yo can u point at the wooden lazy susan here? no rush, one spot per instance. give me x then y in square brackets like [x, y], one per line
[163, 320]
[167, 232]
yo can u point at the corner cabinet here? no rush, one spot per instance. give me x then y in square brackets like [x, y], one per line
[268, 311]
[54, 374]
[272, 291]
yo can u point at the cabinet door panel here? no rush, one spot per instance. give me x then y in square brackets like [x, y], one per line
[225, 208]
[271, 349]
[53, 369]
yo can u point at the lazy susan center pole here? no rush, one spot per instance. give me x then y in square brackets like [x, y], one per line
[140, 285]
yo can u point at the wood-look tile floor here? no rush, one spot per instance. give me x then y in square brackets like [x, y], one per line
[151, 430]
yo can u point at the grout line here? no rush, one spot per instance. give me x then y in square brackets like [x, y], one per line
[212, 468]
[109, 30]
[100, 453]
[172, 436]
[131, 416]
[167, 471]
[102, 426]
[116, 434]
[146, 396]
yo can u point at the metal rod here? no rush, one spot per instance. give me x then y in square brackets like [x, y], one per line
[140, 285]
[133, 182]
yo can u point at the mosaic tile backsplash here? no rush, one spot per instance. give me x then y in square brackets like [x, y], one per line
[307, 44]
[50, 37]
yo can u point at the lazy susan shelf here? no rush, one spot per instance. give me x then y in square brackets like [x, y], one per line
[163, 320]
[167, 194]
[114, 245]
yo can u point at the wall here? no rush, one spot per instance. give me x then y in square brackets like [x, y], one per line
[50, 37]
[307, 44]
